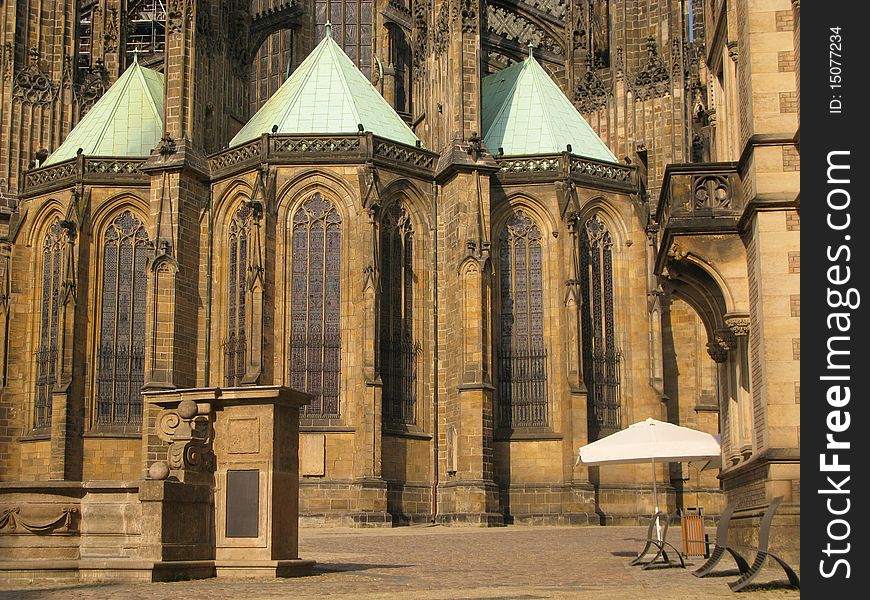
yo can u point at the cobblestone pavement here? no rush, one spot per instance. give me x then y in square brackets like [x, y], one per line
[511, 563]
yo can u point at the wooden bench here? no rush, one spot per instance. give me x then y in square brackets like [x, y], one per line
[747, 572]
[652, 539]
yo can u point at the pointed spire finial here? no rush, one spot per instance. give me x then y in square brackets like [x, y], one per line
[328, 28]
[531, 50]
[136, 52]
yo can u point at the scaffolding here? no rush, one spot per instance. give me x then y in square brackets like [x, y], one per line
[146, 28]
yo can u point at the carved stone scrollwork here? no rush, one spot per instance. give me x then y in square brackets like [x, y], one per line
[188, 429]
[654, 79]
[32, 85]
[739, 326]
[711, 191]
[591, 93]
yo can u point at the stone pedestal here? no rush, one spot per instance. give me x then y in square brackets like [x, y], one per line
[245, 441]
[257, 483]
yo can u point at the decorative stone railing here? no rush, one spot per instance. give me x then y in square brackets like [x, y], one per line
[87, 170]
[704, 196]
[322, 149]
[559, 166]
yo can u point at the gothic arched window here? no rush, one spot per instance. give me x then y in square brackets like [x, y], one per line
[236, 343]
[121, 359]
[351, 28]
[46, 354]
[522, 355]
[315, 334]
[601, 356]
[398, 349]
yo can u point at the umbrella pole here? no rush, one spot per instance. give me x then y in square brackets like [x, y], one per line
[656, 501]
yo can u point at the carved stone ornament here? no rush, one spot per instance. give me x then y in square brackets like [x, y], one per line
[32, 85]
[711, 191]
[518, 28]
[8, 62]
[739, 326]
[725, 339]
[654, 79]
[110, 30]
[421, 36]
[212, 42]
[92, 88]
[466, 11]
[591, 93]
[178, 14]
[441, 35]
[11, 521]
[189, 431]
[717, 352]
[676, 252]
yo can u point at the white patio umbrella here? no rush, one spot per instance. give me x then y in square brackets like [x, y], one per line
[651, 441]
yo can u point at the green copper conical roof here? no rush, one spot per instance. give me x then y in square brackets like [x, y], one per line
[127, 121]
[525, 112]
[327, 94]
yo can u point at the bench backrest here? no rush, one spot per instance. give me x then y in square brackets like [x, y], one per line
[724, 522]
[766, 520]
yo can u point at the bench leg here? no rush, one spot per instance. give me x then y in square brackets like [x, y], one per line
[793, 579]
[754, 570]
[742, 565]
[643, 552]
[704, 570]
[661, 553]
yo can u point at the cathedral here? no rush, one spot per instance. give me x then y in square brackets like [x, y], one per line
[479, 234]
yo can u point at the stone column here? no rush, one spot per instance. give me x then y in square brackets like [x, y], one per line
[467, 493]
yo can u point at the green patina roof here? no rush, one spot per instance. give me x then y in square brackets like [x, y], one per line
[327, 94]
[127, 121]
[525, 112]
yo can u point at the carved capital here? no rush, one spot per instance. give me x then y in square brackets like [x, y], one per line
[739, 326]
[717, 352]
[725, 339]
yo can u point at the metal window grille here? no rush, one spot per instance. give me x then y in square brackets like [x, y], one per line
[46, 354]
[121, 350]
[351, 28]
[235, 344]
[315, 336]
[601, 356]
[521, 354]
[398, 350]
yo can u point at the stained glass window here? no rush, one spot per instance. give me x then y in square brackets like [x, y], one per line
[49, 311]
[236, 343]
[398, 349]
[315, 335]
[521, 354]
[601, 355]
[121, 351]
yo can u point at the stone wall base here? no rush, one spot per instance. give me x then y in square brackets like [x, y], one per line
[103, 571]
